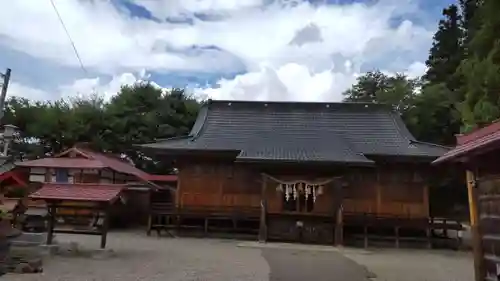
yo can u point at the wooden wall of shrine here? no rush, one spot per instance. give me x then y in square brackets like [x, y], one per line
[388, 190]
[213, 184]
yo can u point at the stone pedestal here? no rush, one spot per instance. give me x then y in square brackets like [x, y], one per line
[7, 233]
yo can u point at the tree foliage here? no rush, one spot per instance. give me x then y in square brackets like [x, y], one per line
[139, 113]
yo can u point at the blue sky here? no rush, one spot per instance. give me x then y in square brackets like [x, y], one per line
[231, 49]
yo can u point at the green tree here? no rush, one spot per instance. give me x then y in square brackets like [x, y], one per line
[137, 114]
[143, 113]
[436, 107]
[446, 52]
[366, 87]
[398, 91]
[481, 68]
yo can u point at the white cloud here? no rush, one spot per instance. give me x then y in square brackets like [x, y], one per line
[20, 90]
[79, 88]
[292, 82]
[294, 51]
[175, 8]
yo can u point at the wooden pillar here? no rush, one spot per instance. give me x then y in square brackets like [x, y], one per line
[378, 189]
[263, 212]
[339, 227]
[178, 190]
[150, 223]
[479, 273]
[105, 226]
[396, 232]
[52, 220]
[339, 220]
[426, 201]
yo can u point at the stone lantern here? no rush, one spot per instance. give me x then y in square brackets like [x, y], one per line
[8, 135]
[7, 232]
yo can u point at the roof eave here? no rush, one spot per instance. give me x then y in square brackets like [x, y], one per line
[291, 161]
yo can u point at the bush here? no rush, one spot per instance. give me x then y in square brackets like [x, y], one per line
[16, 192]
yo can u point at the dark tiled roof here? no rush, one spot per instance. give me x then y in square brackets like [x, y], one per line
[293, 131]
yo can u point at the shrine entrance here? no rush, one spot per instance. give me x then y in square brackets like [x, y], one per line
[302, 210]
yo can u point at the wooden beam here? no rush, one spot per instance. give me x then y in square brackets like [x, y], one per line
[479, 272]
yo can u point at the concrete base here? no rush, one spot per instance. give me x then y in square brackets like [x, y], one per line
[75, 249]
[49, 250]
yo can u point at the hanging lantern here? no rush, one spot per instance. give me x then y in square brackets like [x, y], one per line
[287, 193]
[294, 187]
[314, 193]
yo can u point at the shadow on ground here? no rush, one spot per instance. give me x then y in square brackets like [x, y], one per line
[299, 265]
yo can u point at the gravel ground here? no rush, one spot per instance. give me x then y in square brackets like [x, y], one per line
[138, 257]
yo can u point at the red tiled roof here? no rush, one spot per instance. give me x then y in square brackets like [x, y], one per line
[479, 133]
[78, 192]
[75, 163]
[115, 164]
[473, 142]
[163, 178]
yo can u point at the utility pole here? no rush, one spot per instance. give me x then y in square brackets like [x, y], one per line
[3, 94]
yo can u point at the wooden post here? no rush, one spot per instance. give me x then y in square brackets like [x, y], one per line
[105, 226]
[339, 227]
[52, 220]
[396, 231]
[263, 212]
[150, 223]
[337, 199]
[479, 273]
[378, 207]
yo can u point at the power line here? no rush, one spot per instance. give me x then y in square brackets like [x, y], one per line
[69, 37]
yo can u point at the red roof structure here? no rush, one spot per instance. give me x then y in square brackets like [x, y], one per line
[71, 163]
[473, 142]
[89, 159]
[113, 163]
[15, 176]
[78, 192]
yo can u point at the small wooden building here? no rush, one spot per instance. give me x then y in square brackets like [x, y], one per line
[477, 152]
[304, 171]
[81, 165]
